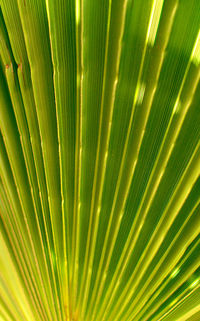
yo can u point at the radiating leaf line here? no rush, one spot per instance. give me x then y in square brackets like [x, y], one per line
[177, 283]
[181, 193]
[25, 197]
[158, 170]
[127, 170]
[108, 98]
[78, 153]
[159, 296]
[194, 292]
[188, 231]
[25, 269]
[29, 104]
[23, 309]
[45, 107]
[64, 84]
[163, 258]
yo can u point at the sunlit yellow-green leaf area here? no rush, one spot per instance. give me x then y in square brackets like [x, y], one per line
[99, 160]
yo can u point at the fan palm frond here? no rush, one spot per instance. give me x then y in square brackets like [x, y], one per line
[99, 160]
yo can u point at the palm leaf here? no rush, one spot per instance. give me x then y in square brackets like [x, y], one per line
[99, 160]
